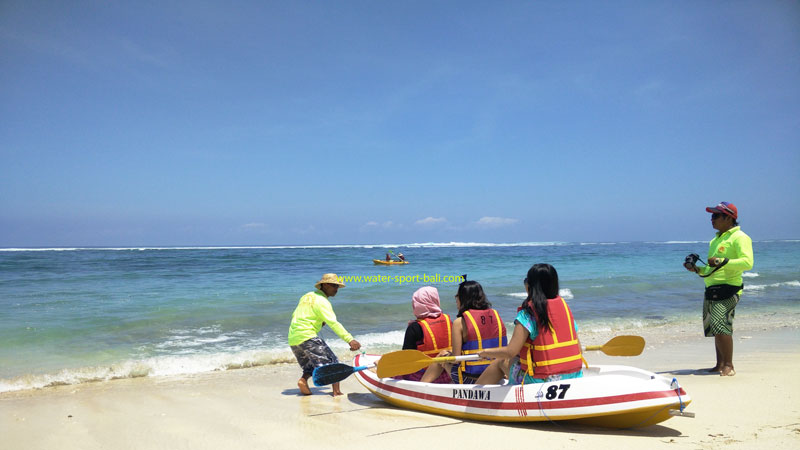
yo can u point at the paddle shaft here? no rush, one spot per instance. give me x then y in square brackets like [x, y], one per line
[403, 362]
[334, 373]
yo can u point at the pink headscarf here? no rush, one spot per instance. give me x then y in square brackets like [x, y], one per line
[425, 302]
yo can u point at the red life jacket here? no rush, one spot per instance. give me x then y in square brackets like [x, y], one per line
[554, 351]
[485, 330]
[436, 335]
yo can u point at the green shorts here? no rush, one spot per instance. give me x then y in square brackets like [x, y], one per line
[718, 316]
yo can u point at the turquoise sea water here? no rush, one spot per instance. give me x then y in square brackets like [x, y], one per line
[75, 315]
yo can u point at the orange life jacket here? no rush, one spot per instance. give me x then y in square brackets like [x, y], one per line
[556, 350]
[485, 330]
[436, 335]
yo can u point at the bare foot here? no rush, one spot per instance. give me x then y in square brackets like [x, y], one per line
[727, 371]
[337, 393]
[302, 383]
[712, 370]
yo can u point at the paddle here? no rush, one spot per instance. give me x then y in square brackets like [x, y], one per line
[403, 362]
[409, 361]
[333, 373]
[620, 346]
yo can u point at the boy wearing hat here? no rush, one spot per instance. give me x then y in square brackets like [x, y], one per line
[313, 311]
[730, 253]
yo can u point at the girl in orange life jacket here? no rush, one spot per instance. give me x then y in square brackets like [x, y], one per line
[430, 333]
[477, 327]
[545, 345]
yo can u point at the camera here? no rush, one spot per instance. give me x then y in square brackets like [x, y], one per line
[691, 259]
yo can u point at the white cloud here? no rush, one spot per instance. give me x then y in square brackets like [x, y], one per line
[429, 221]
[372, 225]
[495, 222]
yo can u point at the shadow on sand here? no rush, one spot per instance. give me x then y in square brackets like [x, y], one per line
[314, 391]
[369, 401]
[701, 372]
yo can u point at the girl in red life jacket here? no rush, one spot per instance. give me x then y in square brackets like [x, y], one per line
[478, 327]
[430, 333]
[545, 345]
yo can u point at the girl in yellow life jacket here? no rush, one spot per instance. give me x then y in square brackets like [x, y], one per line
[476, 328]
[430, 333]
[545, 345]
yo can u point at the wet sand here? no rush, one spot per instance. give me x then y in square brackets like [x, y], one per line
[261, 408]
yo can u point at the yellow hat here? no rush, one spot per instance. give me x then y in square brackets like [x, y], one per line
[329, 278]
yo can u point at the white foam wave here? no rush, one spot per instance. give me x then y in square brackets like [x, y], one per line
[260, 247]
[149, 367]
[566, 294]
[761, 287]
[401, 245]
[749, 275]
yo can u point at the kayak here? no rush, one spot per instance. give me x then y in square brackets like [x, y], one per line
[388, 263]
[608, 396]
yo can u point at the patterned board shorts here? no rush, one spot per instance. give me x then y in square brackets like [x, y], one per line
[313, 353]
[718, 316]
[465, 379]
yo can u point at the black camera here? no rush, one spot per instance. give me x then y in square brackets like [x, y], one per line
[691, 259]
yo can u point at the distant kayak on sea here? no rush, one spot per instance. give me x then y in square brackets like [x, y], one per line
[388, 263]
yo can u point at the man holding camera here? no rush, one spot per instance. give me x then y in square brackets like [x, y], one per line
[730, 253]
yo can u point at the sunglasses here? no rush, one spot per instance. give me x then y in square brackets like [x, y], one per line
[717, 216]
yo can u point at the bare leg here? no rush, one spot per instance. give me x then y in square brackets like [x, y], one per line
[432, 373]
[336, 391]
[724, 344]
[493, 374]
[719, 364]
[302, 383]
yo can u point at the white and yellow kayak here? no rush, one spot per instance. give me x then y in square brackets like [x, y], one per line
[608, 396]
[387, 263]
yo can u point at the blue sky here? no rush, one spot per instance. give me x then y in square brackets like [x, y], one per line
[255, 123]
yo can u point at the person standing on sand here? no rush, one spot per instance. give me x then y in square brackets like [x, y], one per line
[730, 253]
[313, 311]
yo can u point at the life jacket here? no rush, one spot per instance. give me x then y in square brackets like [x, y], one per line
[556, 350]
[436, 335]
[485, 330]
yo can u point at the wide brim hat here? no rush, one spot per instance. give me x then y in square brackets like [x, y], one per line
[329, 278]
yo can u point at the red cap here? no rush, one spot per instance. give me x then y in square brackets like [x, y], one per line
[725, 208]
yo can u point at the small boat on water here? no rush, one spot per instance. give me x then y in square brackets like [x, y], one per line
[388, 263]
[608, 396]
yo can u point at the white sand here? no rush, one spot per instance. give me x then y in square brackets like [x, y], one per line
[260, 408]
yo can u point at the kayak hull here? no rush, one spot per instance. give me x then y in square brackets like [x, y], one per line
[383, 262]
[607, 396]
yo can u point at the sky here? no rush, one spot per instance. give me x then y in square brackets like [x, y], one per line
[173, 123]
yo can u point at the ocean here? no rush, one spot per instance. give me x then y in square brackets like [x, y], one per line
[75, 315]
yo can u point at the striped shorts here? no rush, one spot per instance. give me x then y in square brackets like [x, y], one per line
[718, 316]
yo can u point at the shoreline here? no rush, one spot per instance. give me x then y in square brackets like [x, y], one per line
[676, 329]
[261, 407]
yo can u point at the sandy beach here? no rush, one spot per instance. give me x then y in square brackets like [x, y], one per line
[261, 408]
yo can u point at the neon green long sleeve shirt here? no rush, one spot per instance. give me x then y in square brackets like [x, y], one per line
[735, 245]
[314, 310]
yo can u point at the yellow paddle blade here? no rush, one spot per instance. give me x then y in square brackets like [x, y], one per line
[402, 362]
[620, 346]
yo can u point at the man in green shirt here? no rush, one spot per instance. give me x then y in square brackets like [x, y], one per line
[730, 253]
[313, 311]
